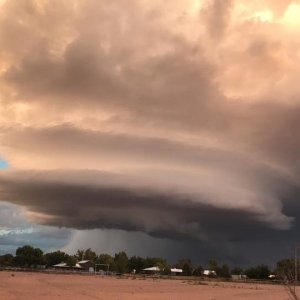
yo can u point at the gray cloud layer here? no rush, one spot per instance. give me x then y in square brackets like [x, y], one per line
[111, 201]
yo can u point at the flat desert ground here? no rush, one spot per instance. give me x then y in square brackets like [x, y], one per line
[37, 286]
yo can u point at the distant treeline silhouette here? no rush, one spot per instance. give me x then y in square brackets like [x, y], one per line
[30, 257]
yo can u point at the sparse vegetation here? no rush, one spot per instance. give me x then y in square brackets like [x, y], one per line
[28, 256]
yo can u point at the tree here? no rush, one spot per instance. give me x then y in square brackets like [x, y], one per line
[121, 262]
[79, 254]
[86, 254]
[163, 266]
[186, 266]
[57, 257]
[159, 262]
[285, 268]
[136, 263]
[187, 270]
[7, 260]
[153, 261]
[106, 259]
[258, 272]
[27, 256]
[213, 265]
[70, 260]
[198, 271]
[223, 271]
[165, 269]
[54, 258]
[237, 271]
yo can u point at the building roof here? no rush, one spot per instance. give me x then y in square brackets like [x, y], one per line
[209, 272]
[60, 265]
[175, 270]
[152, 269]
[83, 261]
[64, 265]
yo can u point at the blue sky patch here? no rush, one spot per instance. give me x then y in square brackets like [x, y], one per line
[16, 231]
[3, 164]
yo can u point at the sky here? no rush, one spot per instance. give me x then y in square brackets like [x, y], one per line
[159, 128]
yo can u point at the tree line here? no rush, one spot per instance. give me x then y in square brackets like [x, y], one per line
[28, 256]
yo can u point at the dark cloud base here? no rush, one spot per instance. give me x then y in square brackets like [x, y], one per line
[203, 226]
[101, 206]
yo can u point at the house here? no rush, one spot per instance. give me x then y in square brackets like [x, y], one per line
[83, 265]
[151, 270]
[64, 266]
[175, 271]
[209, 273]
[238, 277]
[86, 265]
[60, 265]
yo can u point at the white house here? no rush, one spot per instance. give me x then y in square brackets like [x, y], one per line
[238, 276]
[175, 271]
[209, 273]
[151, 270]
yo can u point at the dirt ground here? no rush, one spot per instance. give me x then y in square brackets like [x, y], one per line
[37, 286]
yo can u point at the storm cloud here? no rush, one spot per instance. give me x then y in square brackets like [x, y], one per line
[177, 120]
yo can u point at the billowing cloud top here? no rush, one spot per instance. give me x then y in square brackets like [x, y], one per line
[150, 116]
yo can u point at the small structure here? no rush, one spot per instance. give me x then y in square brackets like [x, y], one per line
[101, 272]
[60, 265]
[86, 265]
[238, 276]
[175, 271]
[209, 273]
[151, 270]
[99, 269]
[64, 266]
[83, 265]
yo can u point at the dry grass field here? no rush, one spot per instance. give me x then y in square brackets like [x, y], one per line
[37, 286]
